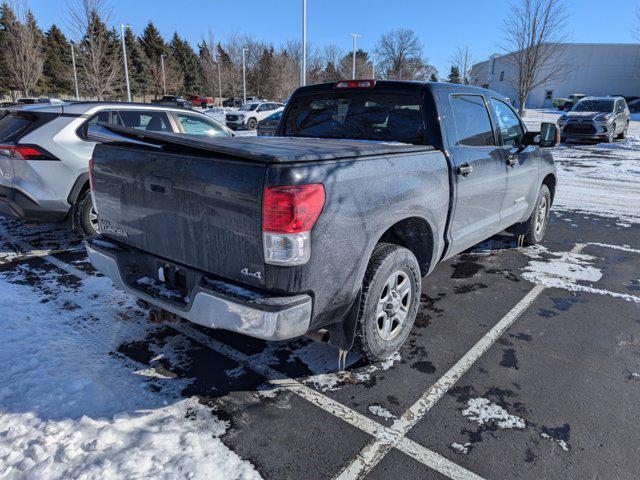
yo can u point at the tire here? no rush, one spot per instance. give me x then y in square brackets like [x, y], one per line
[623, 134]
[385, 293]
[539, 220]
[85, 219]
[252, 123]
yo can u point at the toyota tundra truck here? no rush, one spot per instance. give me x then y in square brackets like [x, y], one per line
[328, 228]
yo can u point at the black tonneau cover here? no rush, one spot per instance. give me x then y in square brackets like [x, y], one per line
[268, 149]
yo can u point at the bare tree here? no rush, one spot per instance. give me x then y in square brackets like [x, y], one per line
[464, 61]
[98, 59]
[400, 54]
[535, 38]
[22, 52]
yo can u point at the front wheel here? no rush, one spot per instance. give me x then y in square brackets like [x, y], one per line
[539, 220]
[252, 123]
[623, 134]
[389, 303]
[86, 218]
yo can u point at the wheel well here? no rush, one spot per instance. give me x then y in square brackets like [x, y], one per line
[414, 234]
[550, 182]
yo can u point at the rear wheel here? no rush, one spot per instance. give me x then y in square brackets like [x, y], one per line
[389, 303]
[86, 218]
[252, 123]
[623, 134]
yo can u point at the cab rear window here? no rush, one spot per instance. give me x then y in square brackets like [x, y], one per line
[357, 115]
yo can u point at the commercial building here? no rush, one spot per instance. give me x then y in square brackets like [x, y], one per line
[590, 68]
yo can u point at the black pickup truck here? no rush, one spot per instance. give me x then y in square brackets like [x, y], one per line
[327, 228]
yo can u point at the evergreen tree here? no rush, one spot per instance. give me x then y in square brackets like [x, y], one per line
[152, 43]
[433, 78]
[57, 72]
[454, 75]
[7, 22]
[330, 73]
[188, 65]
[138, 65]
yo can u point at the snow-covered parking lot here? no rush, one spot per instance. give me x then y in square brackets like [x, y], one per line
[524, 363]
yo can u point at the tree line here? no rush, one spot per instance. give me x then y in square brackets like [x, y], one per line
[37, 62]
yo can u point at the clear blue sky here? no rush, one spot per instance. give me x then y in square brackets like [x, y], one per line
[441, 24]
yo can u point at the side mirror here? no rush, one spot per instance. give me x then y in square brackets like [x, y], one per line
[549, 135]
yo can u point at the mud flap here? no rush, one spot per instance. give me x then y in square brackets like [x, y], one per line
[342, 333]
[520, 229]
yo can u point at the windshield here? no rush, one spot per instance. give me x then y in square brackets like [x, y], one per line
[603, 106]
[249, 107]
[357, 115]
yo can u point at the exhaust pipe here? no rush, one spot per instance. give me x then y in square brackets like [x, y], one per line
[321, 336]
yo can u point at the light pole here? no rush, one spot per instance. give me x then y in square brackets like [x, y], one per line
[164, 79]
[124, 59]
[373, 67]
[353, 73]
[75, 73]
[244, 76]
[219, 83]
[303, 69]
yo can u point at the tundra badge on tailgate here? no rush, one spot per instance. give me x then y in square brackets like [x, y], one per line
[105, 227]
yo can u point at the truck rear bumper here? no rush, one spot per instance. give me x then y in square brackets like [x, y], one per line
[213, 303]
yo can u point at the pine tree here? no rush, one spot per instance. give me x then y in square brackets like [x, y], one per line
[454, 75]
[188, 64]
[154, 47]
[7, 21]
[433, 78]
[138, 65]
[57, 72]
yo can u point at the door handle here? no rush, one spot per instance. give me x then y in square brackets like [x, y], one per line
[465, 169]
[512, 160]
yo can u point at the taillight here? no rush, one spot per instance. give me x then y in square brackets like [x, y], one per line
[26, 152]
[288, 214]
[355, 84]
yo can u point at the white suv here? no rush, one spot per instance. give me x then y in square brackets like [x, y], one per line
[250, 114]
[44, 154]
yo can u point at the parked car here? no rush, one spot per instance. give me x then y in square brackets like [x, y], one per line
[248, 116]
[327, 228]
[172, 101]
[201, 101]
[44, 154]
[267, 127]
[634, 106]
[33, 100]
[232, 102]
[567, 103]
[596, 118]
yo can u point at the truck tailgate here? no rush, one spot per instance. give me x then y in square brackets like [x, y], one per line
[199, 211]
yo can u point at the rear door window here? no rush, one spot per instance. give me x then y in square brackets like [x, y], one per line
[358, 115]
[142, 120]
[473, 124]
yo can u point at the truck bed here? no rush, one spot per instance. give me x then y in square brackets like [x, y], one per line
[272, 149]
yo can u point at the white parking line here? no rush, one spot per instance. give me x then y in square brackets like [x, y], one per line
[44, 254]
[380, 432]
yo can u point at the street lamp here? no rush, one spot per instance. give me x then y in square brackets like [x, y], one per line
[164, 78]
[355, 36]
[75, 73]
[124, 58]
[244, 76]
[303, 69]
[373, 67]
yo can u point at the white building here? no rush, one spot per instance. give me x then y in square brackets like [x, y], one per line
[592, 69]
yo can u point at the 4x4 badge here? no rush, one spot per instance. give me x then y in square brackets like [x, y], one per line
[245, 271]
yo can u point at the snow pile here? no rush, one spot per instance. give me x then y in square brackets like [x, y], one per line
[462, 448]
[71, 407]
[485, 412]
[563, 271]
[563, 445]
[381, 412]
